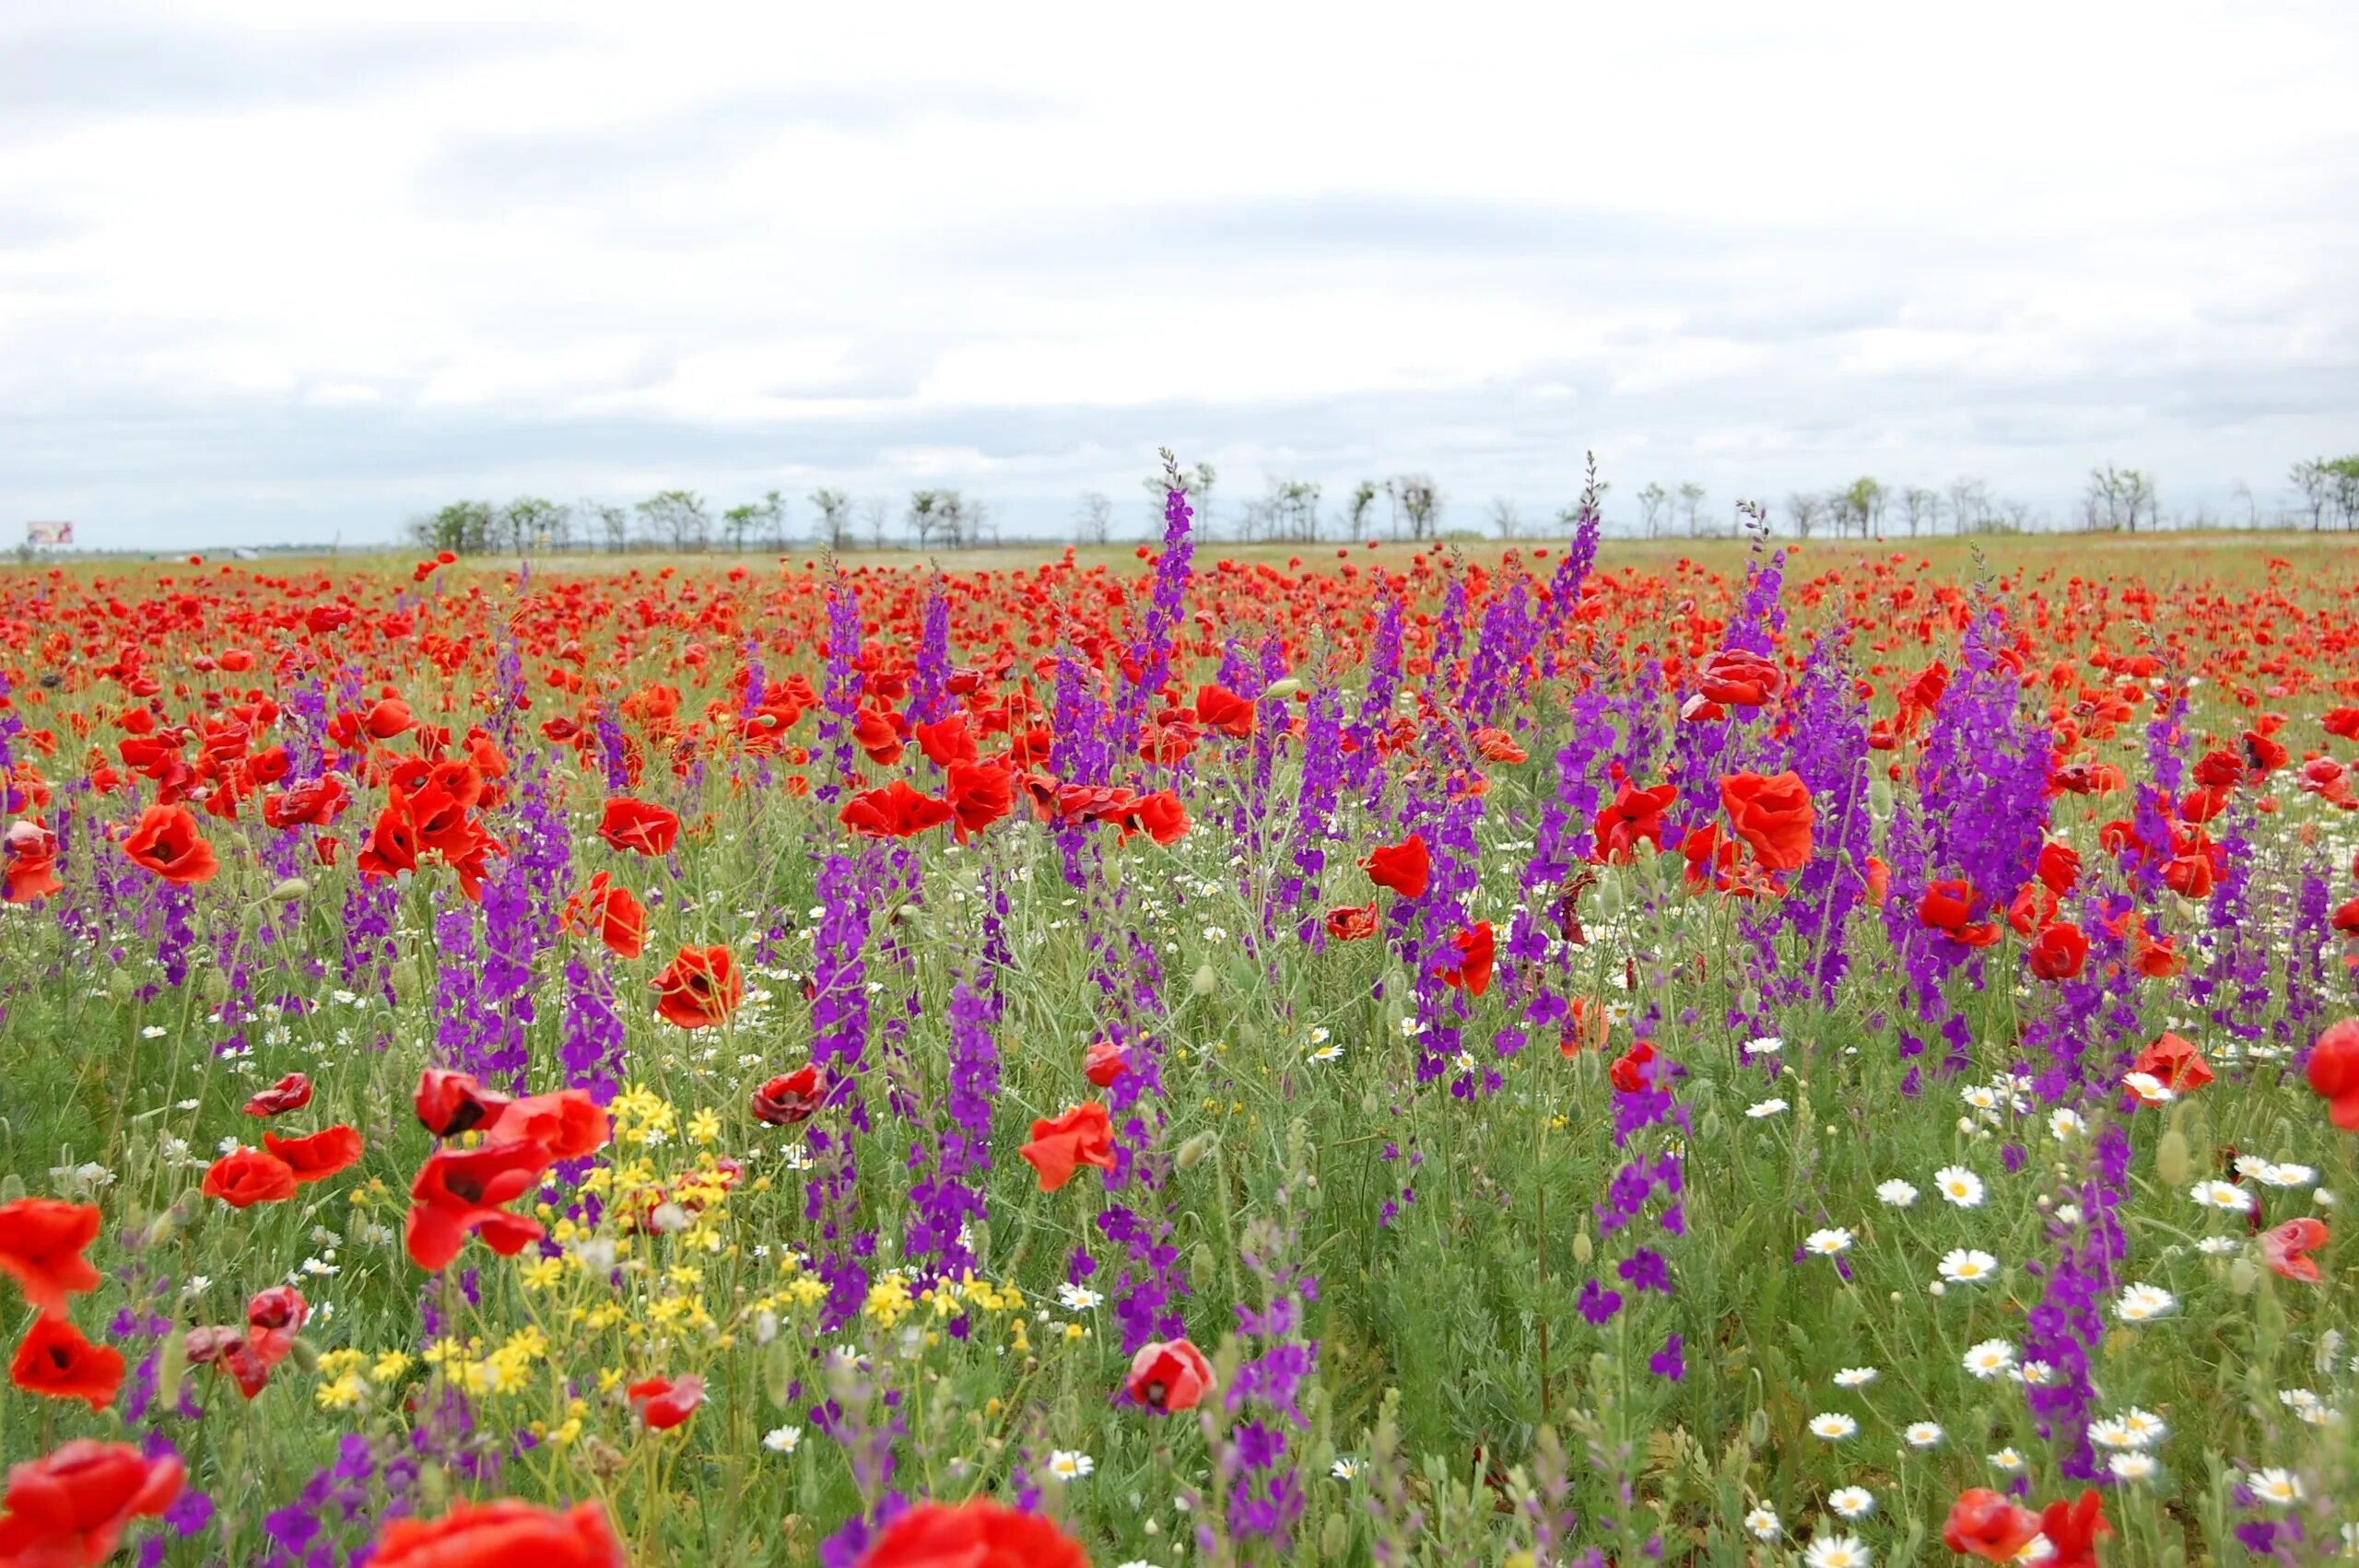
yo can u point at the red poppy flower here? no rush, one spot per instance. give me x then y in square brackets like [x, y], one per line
[611, 912]
[2059, 951]
[166, 842]
[291, 1092]
[1103, 1062]
[1949, 906]
[280, 1306]
[975, 1534]
[978, 794]
[1401, 868]
[1985, 1525]
[568, 1123]
[463, 1192]
[2286, 1248]
[31, 856]
[638, 826]
[501, 1535]
[2074, 1529]
[1772, 815]
[392, 847]
[1161, 817]
[1169, 1375]
[2334, 1073]
[878, 733]
[2342, 722]
[2346, 917]
[894, 812]
[69, 1508]
[1351, 922]
[1633, 817]
[1497, 746]
[319, 1156]
[2058, 868]
[40, 1247]
[701, 988]
[248, 1177]
[1083, 1136]
[1476, 948]
[312, 804]
[1633, 1070]
[946, 741]
[663, 1403]
[56, 1362]
[449, 1104]
[1217, 708]
[790, 1099]
[2175, 1063]
[1740, 678]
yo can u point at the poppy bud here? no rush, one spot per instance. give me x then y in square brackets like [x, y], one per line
[1583, 1248]
[1281, 690]
[12, 1186]
[120, 986]
[2243, 1275]
[2172, 1163]
[1756, 1428]
[215, 987]
[1206, 981]
[160, 1229]
[778, 1373]
[1192, 1152]
[294, 890]
[434, 1486]
[172, 1366]
[1202, 1265]
[1334, 1537]
[304, 1354]
[1880, 801]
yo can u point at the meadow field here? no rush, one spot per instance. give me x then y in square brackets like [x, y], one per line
[1530, 1053]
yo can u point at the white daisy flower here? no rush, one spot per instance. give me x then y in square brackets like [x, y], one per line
[2144, 1427]
[2278, 1488]
[1766, 1045]
[2064, 1125]
[1762, 1525]
[1855, 1377]
[1065, 1464]
[1924, 1434]
[2006, 1460]
[1992, 1358]
[1960, 1186]
[2150, 1090]
[782, 1439]
[1836, 1551]
[2284, 1176]
[1852, 1502]
[1833, 1425]
[1896, 1194]
[1765, 1108]
[2225, 1195]
[2130, 1467]
[2038, 1374]
[2218, 1247]
[2142, 1303]
[1345, 1468]
[1077, 1298]
[1968, 1266]
[1831, 1242]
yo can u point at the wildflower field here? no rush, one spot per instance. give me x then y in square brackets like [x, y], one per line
[1839, 1057]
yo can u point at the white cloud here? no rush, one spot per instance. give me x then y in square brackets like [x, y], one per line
[272, 268]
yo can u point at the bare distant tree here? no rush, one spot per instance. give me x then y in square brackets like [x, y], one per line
[1364, 495]
[2117, 499]
[1290, 511]
[738, 523]
[1691, 505]
[678, 518]
[1506, 518]
[2314, 483]
[1861, 504]
[1803, 509]
[1654, 504]
[1094, 519]
[607, 522]
[834, 508]
[925, 517]
[1920, 506]
[1969, 504]
[1420, 501]
[2242, 500]
[528, 523]
[874, 511]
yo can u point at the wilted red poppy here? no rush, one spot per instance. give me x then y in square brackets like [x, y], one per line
[500, 1535]
[638, 826]
[2286, 1247]
[312, 804]
[42, 1241]
[1083, 1136]
[790, 1099]
[291, 1092]
[2333, 1072]
[1476, 948]
[2058, 952]
[1985, 1525]
[248, 1176]
[463, 1192]
[1497, 745]
[1401, 868]
[166, 842]
[1169, 1375]
[1773, 816]
[69, 1508]
[701, 988]
[318, 1157]
[663, 1403]
[57, 1363]
[1351, 922]
[32, 859]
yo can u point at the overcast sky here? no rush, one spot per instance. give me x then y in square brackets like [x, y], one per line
[277, 271]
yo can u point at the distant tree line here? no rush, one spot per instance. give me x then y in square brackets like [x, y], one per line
[1404, 507]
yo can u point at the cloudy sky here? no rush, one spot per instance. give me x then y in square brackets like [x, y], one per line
[274, 271]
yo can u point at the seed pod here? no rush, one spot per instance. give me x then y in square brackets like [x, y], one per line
[305, 1355]
[1583, 1248]
[172, 1366]
[1880, 799]
[1334, 1537]
[215, 986]
[2173, 1164]
[1206, 981]
[120, 986]
[778, 1372]
[1282, 691]
[1756, 1428]
[294, 890]
[1192, 1152]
